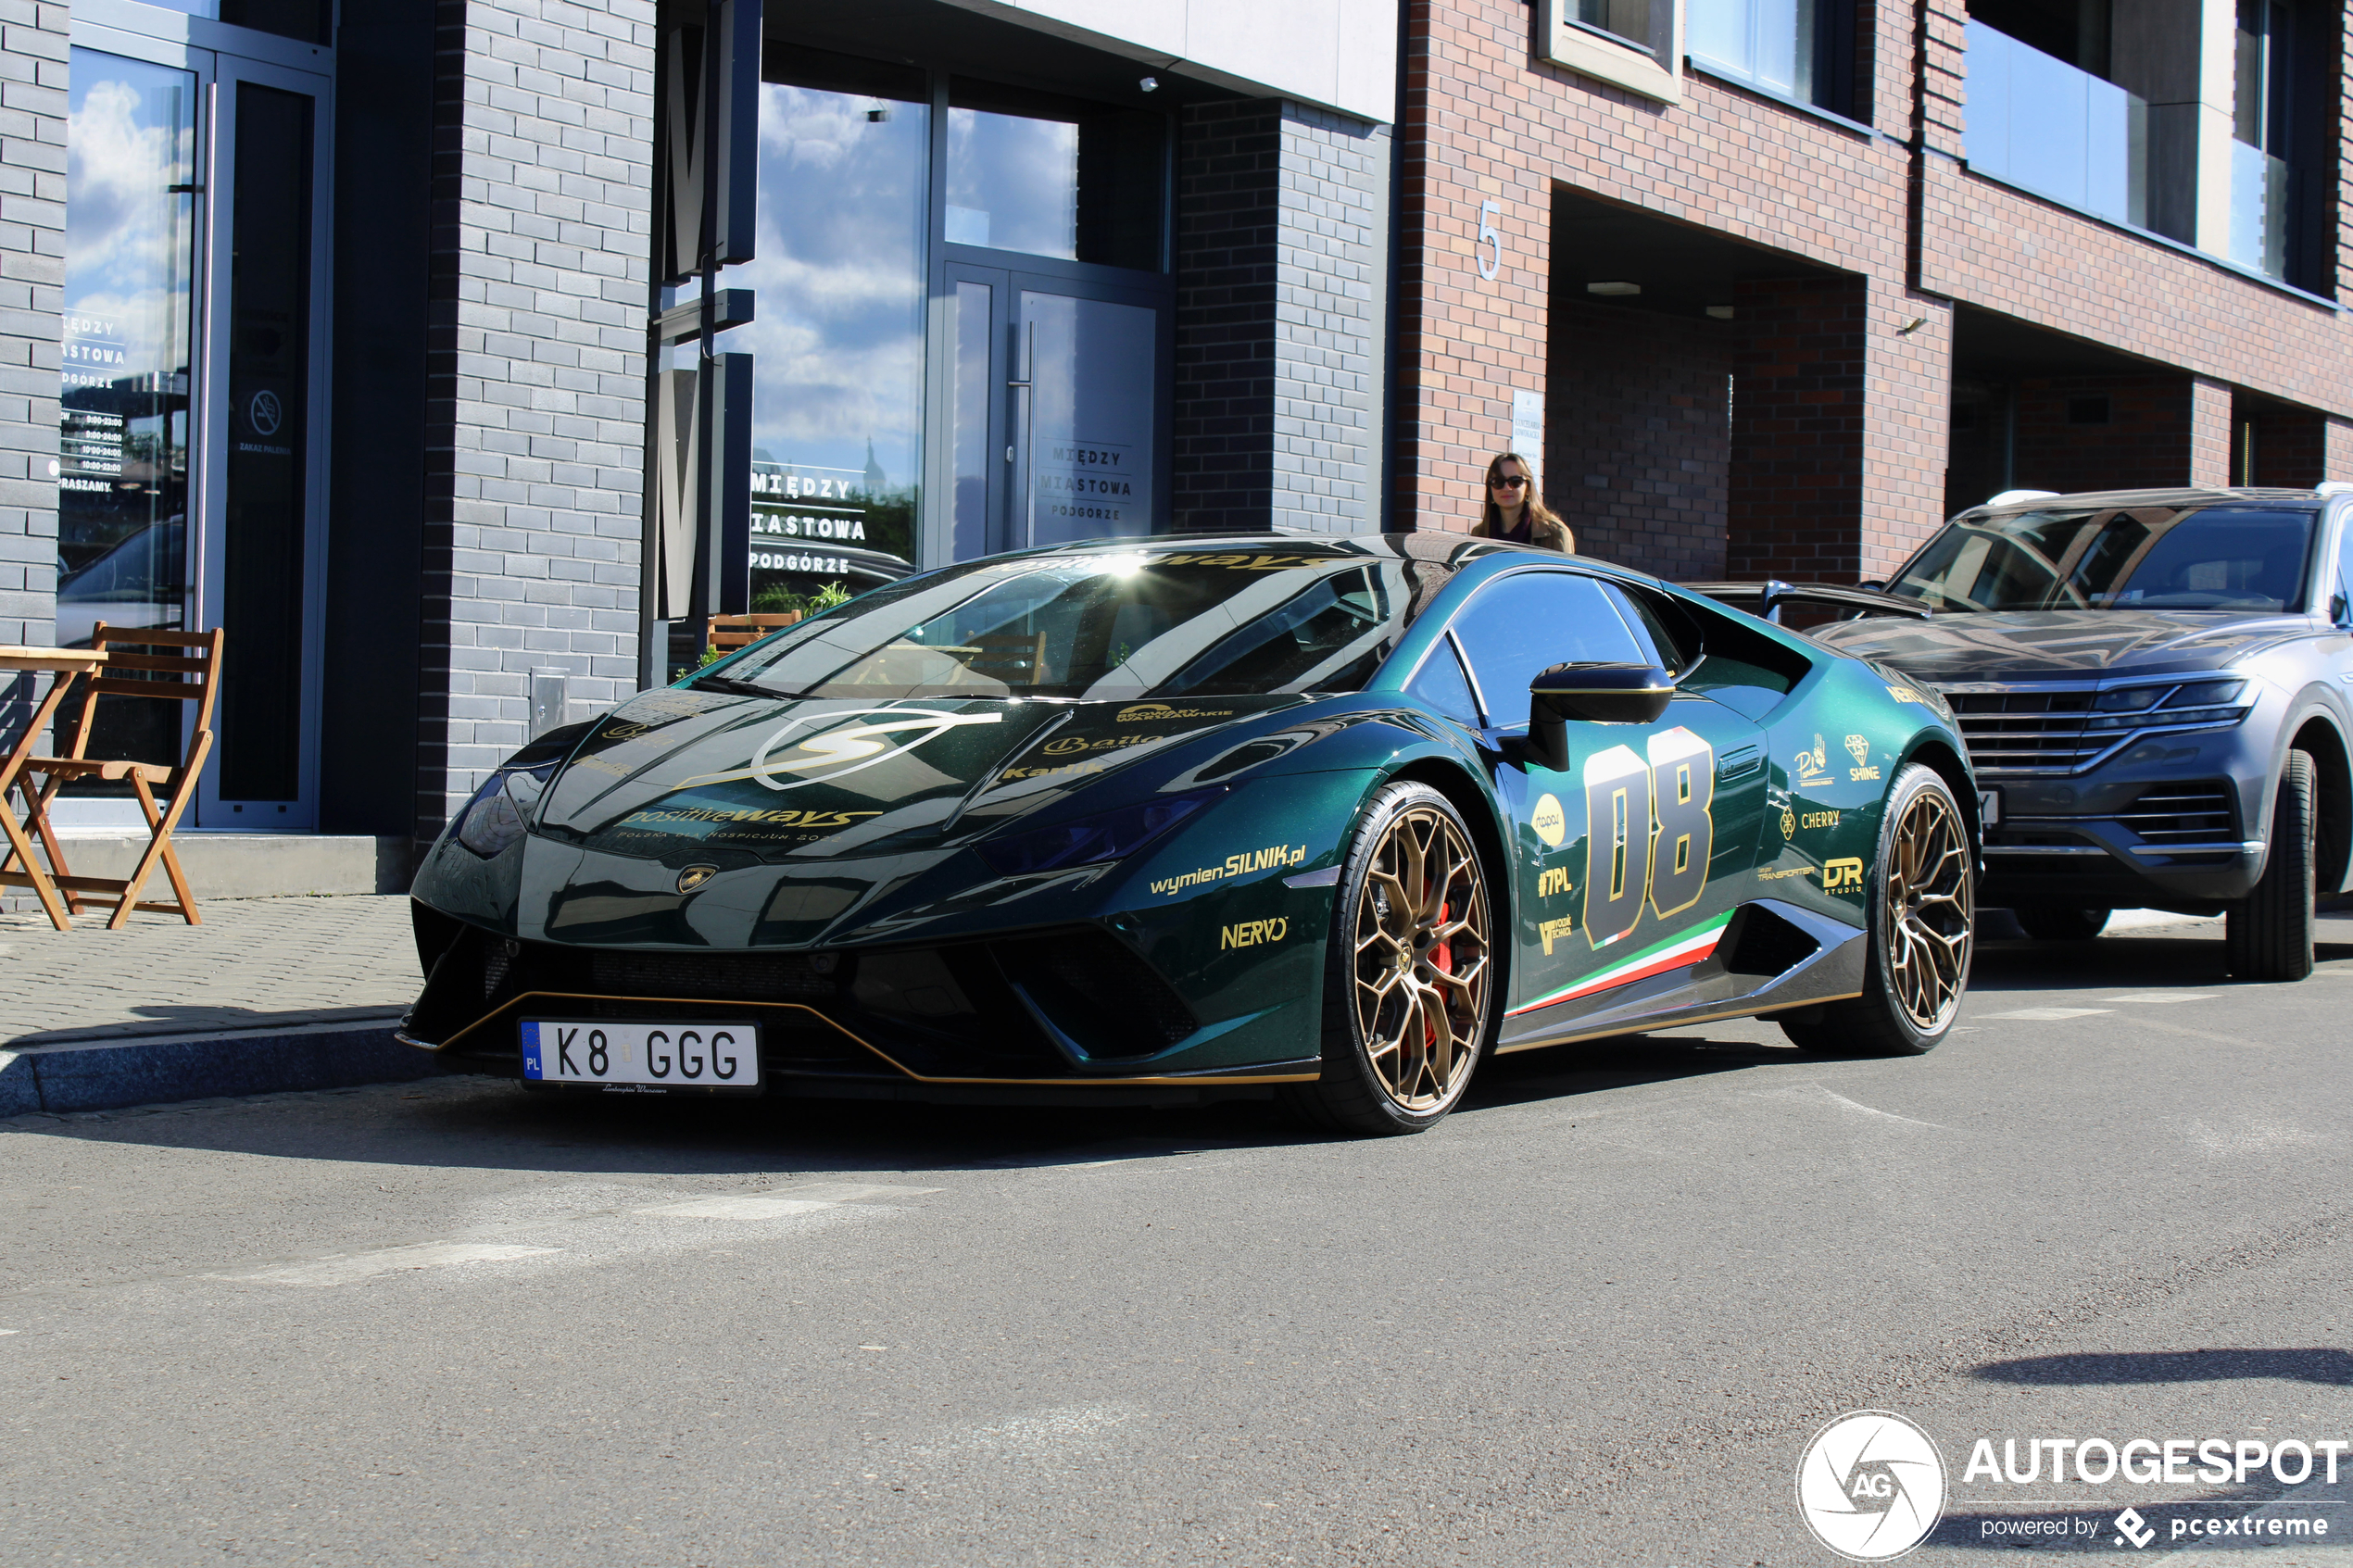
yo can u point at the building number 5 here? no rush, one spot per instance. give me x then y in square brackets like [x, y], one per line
[1667, 800]
[1490, 265]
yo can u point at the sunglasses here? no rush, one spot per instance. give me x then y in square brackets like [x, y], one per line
[1509, 482]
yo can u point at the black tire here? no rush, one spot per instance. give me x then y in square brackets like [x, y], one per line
[2269, 933]
[2056, 923]
[1923, 924]
[1386, 1069]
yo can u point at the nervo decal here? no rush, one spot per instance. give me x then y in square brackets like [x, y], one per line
[1253, 932]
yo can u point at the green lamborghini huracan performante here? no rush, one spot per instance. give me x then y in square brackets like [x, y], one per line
[1327, 818]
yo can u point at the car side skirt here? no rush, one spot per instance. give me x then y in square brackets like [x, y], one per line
[1704, 986]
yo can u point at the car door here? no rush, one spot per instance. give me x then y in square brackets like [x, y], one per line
[1627, 865]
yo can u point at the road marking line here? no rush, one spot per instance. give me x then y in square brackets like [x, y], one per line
[736, 1208]
[2164, 996]
[392, 1260]
[2044, 1015]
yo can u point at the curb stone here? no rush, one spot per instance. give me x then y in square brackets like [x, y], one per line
[110, 1075]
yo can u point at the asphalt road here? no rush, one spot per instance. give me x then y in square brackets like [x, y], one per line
[1594, 1318]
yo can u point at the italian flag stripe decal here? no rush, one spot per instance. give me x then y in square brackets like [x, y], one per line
[1676, 952]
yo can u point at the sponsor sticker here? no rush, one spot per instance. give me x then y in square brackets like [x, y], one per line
[1552, 931]
[1843, 875]
[1813, 768]
[1551, 881]
[1550, 823]
[1140, 712]
[1859, 747]
[1065, 745]
[1274, 857]
[1253, 932]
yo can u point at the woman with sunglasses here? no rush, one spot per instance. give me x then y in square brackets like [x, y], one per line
[1516, 513]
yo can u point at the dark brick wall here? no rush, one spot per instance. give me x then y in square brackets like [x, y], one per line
[1797, 429]
[2144, 441]
[1637, 440]
[1229, 222]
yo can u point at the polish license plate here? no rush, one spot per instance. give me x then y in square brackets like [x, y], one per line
[1989, 807]
[661, 1056]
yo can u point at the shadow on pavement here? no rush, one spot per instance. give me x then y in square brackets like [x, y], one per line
[489, 1124]
[2318, 1364]
[200, 1018]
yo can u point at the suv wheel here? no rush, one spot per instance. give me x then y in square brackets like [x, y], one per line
[1923, 918]
[2269, 933]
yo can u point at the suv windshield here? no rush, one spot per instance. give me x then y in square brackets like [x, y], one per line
[1107, 624]
[2118, 558]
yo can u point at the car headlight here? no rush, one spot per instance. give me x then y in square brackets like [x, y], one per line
[500, 809]
[2172, 705]
[1088, 841]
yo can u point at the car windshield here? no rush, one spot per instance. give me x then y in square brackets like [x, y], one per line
[1108, 624]
[2118, 558]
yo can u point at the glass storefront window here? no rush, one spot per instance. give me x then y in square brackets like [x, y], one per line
[1047, 176]
[838, 415]
[122, 436]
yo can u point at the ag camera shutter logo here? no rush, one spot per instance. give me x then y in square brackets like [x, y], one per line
[1870, 1486]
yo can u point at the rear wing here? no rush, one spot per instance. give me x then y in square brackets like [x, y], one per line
[1767, 598]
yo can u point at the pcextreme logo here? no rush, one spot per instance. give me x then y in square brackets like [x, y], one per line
[1870, 1486]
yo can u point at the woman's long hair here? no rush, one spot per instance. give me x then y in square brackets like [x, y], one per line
[1492, 519]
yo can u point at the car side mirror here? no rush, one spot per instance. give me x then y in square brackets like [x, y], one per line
[2337, 609]
[1594, 693]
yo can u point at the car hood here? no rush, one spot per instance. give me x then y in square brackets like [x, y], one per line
[684, 772]
[704, 819]
[2060, 644]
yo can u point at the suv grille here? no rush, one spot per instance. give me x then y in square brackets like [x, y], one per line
[2029, 731]
[2199, 813]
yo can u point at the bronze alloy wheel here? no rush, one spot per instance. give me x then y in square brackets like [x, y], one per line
[1928, 911]
[1421, 959]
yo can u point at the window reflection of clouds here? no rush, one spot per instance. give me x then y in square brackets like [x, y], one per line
[130, 135]
[1023, 174]
[840, 281]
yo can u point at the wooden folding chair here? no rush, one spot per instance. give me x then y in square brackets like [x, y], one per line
[191, 673]
[728, 633]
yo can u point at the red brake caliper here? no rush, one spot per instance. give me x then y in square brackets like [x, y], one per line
[1441, 959]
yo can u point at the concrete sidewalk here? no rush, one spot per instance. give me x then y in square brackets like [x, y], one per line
[268, 994]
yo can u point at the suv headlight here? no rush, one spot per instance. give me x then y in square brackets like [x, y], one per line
[2173, 705]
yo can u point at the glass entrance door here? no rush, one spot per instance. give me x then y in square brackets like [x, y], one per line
[191, 421]
[1058, 410]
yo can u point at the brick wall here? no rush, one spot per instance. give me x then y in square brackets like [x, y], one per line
[2146, 438]
[536, 371]
[1281, 295]
[1637, 440]
[1485, 119]
[1798, 429]
[32, 223]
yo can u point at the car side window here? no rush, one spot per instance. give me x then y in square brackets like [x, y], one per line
[1441, 683]
[1521, 626]
[1652, 633]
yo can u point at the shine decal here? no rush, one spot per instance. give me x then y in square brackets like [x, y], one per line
[850, 748]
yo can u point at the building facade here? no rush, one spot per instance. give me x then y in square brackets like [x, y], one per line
[459, 357]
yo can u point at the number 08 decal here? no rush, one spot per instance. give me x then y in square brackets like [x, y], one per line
[1665, 800]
